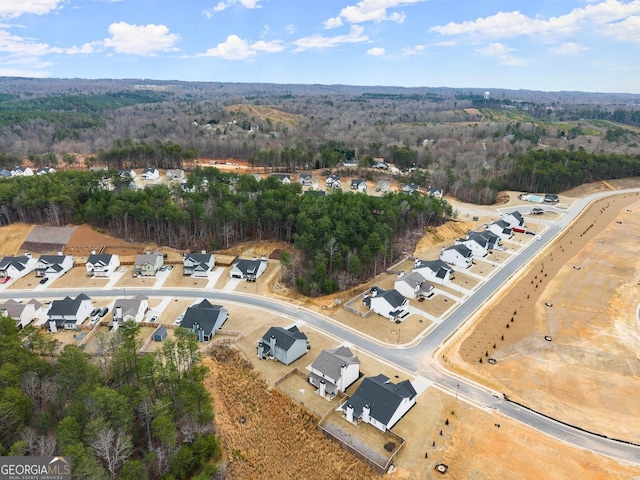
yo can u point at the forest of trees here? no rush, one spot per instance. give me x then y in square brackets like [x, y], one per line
[117, 415]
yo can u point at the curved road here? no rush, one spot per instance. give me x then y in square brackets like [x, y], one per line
[413, 356]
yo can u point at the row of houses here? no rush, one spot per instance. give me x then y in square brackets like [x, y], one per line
[19, 171]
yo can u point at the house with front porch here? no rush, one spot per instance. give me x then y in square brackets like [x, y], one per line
[150, 173]
[514, 219]
[22, 313]
[306, 180]
[54, 266]
[249, 270]
[131, 309]
[333, 181]
[102, 264]
[148, 264]
[435, 271]
[478, 245]
[500, 228]
[359, 184]
[334, 370]
[198, 264]
[379, 402]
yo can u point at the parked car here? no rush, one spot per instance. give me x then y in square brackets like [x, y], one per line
[154, 319]
[6, 279]
[179, 319]
[529, 232]
[104, 311]
[123, 269]
[95, 311]
[170, 267]
[44, 280]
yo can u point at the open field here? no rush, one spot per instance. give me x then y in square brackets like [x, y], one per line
[588, 374]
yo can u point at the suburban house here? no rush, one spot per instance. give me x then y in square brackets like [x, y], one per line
[128, 173]
[284, 178]
[458, 255]
[514, 219]
[359, 184]
[379, 402]
[333, 181]
[411, 188]
[204, 319]
[435, 192]
[478, 245]
[17, 267]
[387, 303]
[249, 270]
[283, 344]
[381, 164]
[413, 286]
[198, 264]
[334, 371]
[501, 228]
[102, 264]
[148, 264]
[69, 313]
[435, 271]
[21, 171]
[551, 198]
[22, 313]
[45, 170]
[131, 309]
[176, 174]
[54, 266]
[306, 180]
[150, 173]
[492, 239]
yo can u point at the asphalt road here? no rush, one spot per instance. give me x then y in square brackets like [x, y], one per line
[414, 356]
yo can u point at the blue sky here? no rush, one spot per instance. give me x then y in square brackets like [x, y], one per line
[551, 45]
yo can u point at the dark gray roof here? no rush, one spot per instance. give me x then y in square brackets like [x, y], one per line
[198, 257]
[502, 223]
[67, 306]
[19, 263]
[382, 396]
[103, 258]
[439, 267]
[285, 338]
[248, 266]
[330, 362]
[462, 250]
[490, 237]
[393, 297]
[204, 314]
[52, 259]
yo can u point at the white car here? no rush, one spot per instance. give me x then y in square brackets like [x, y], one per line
[123, 269]
[179, 320]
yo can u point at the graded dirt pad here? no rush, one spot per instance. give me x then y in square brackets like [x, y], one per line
[85, 239]
[587, 375]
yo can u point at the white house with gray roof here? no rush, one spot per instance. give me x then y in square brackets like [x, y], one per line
[334, 371]
[501, 228]
[54, 266]
[435, 271]
[69, 313]
[285, 345]
[387, 303]
[150, 173]
[131, 308]
[379, 402]
[204, 319]
[102, 264]
[17, 267]
[249, 270]
[414, 285]
[198, 264]
[478, 245]
[514, 219]
[458, 255]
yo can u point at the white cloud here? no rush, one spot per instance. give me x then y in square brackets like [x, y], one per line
[334, 22]
[501, 53]
[512, 24]
[568, 49]
[290, 29]
[320, 41]
[374, 11]
[225, 4]
[15, 8]
[140, 39]
[376, 51]
[15, 45]
[627, 30]
[236, 48]
[412, 50]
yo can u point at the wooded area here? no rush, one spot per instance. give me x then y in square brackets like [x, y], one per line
[119, 415]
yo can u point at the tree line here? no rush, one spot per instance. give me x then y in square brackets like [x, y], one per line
[117, 415]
